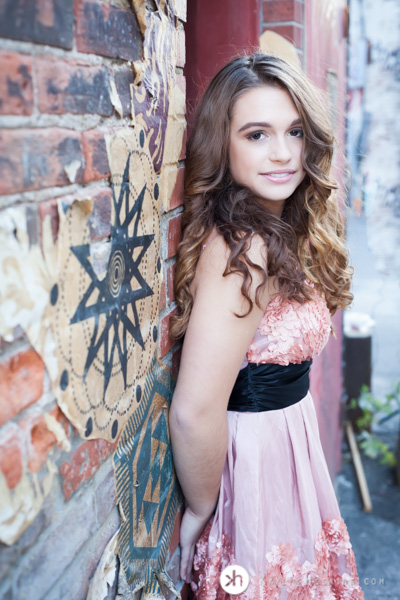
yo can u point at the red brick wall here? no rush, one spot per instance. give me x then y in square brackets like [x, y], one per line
[61, 62]
[285, 17]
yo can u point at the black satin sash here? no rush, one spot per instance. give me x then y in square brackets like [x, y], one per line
[269, 386]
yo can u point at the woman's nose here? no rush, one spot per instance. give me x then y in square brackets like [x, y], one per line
[279, 149]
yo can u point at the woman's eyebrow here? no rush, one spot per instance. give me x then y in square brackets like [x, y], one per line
[266, 125]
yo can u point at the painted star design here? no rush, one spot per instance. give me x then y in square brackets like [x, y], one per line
[115, 292]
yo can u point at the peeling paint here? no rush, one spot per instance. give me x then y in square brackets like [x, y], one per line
[115, 99]
[25, 282]
[57, 429]
[20, 506]
[106, 571]
[158, 103]
[140, 11]
[72, 169]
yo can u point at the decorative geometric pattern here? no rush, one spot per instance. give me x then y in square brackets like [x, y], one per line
[104, 307]
[116, 291]
[147, 488]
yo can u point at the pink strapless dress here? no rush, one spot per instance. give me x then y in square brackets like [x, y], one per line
[277, 514]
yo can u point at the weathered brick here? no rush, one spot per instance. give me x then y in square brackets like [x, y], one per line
[17, 334]
[100, 218]
[166, 342]
[11, 454]
[72, 87]
[32, 224]
[174, 234]
[282, 10]
[180, 48]
[126, 4]
[74, 582]
[83, 464]
[163, 296]
[170, 283]
[55, 549]
[21, 383]
[6, 592]
[16, 89]
[45, 22]
[177, 194]
[96, 158]
[31, 159]
[105, 497]
[291, 32]
[41, 441]
[11, 555]
[182, 155]
[123, 80]
[107, 30]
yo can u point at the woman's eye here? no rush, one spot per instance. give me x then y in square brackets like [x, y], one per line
[256, 136]
[296, 132]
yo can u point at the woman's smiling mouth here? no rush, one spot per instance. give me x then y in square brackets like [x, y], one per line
[279, 176]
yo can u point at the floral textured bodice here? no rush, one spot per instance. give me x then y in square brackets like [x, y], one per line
[290, 332]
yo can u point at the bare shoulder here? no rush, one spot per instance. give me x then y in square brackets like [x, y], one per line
[213, 261]
[213, 258]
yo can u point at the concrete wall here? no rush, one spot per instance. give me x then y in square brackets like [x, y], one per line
[373, 151]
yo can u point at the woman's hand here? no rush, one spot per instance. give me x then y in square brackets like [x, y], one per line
[191, 529]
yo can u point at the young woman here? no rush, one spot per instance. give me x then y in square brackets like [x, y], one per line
[261, 268]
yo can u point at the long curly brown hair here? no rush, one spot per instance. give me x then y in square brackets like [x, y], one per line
[307, 241]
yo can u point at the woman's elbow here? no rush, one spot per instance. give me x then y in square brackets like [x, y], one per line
[185, 417]
[182, 418]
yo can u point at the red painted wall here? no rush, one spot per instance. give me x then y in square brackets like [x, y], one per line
[325, 52]
[216, 31]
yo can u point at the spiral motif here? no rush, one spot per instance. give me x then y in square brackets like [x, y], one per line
[116, 273]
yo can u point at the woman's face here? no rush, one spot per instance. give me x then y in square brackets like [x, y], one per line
[265, 145]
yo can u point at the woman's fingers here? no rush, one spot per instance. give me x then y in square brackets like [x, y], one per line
[187, 555]
[191, 528]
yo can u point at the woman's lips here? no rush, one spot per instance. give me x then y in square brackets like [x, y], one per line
[279, 176]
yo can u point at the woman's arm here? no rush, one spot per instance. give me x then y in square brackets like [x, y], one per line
[214, 347]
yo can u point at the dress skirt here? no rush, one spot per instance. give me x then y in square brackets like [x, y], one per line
[277, 514]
